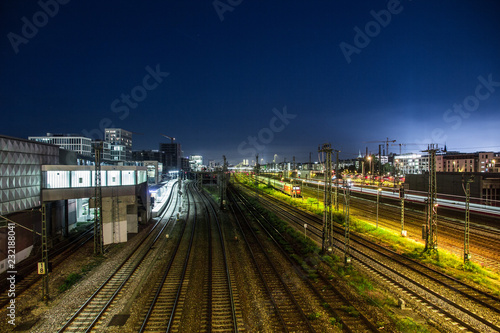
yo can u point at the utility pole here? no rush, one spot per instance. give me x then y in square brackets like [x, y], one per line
[45, 257]
[327, 213]
[98, 227]
[257, 167]
[467, 255]
[379, 164]
[179, 194]
[223, 184]
[402, 197]
[378, 200]
[337, 181]
[431, 234]
[347, 228]
[199, 178]
[387, 145]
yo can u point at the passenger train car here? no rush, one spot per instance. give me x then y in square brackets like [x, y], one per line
[292, 190]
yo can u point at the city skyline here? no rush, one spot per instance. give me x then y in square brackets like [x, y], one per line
[275, 78]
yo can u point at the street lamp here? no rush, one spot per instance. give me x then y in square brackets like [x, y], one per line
[378, 195]
[371, 169]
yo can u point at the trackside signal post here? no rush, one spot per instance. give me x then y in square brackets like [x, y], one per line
[44, 265]
[223, 183]
[431, 228]
[337, 178]
[402, 197]
[467, 218]
[98, 232]
[327, 213]
[347, 236]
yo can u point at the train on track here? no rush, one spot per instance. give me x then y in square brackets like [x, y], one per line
[290, 189]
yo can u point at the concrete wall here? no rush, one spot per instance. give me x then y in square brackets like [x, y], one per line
[116, 220]
[71, 214]
[451, 183]
[24, 239]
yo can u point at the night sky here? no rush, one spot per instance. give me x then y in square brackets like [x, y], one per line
[237, 77]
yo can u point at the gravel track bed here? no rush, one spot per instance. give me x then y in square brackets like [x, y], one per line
[444, 291]
[429, 312]
[410, 281]
[53, 316]
[450, 236]
[122, 303]
[257, 310]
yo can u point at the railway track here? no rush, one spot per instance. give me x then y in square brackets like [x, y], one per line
[289, 315]
[324, 289]
[170, 291]
[223, 308]
[467, 315]
[90, 315]
[171, 307]
[484, 241]
[27, 273]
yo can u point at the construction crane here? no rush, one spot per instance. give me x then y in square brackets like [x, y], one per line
[169, 137]
[407, 144]
[386, 144]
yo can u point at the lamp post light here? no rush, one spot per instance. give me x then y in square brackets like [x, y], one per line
[378, 195]
[371, 171]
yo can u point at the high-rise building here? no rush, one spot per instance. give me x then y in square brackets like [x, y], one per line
[195, 162]
[73, 142]
[120, 141]
[173, 154]
[148, 155]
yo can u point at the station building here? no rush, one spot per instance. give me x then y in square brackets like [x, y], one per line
[33, 173]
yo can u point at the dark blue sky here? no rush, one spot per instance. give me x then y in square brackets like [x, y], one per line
[225, 77]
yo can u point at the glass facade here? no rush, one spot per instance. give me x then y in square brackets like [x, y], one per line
[79, 144]
[57, 177]
[142, 176]
[128, 177]
[120, 142]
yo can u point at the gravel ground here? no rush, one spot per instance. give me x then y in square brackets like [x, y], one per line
[254, 308]
[49, 317]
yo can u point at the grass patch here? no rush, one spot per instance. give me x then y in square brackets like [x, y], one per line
[70, 281]
[73, 278]
[314, 316]
[351, 311]
[407, 324]
[213, 191]
[446, 261]
[333, 321]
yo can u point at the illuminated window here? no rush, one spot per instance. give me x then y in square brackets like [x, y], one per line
[57, 179]
[128, 177]
[114, 178]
